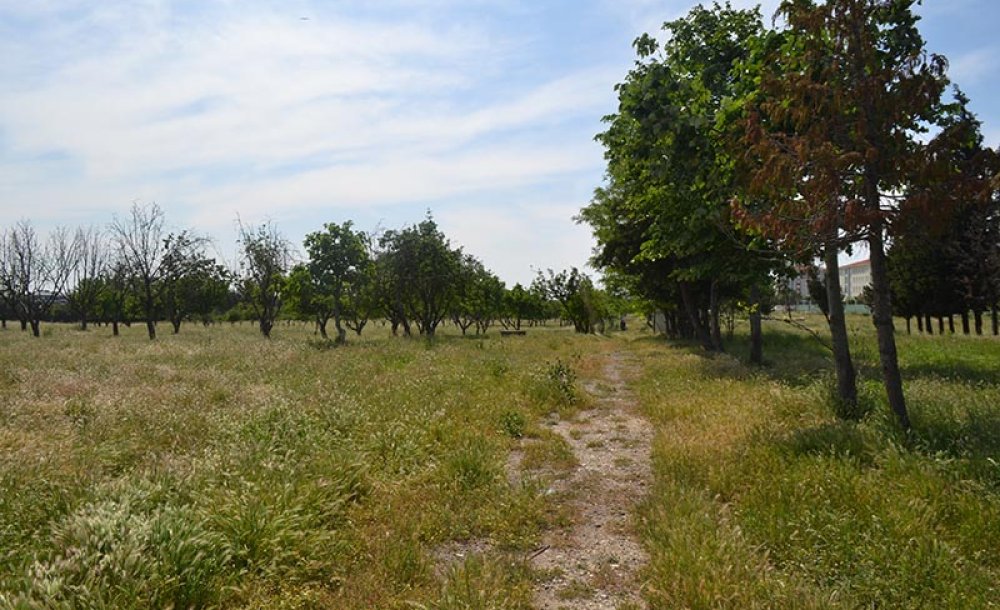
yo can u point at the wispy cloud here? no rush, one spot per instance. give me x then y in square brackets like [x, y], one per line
[246, 108]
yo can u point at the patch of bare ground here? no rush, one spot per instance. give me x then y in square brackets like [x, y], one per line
[594, 561]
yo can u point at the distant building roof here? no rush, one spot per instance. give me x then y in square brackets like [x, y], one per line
[864, 263]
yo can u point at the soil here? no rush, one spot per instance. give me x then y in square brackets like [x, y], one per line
[595, 562]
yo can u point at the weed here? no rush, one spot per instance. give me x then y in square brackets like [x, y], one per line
[513, 423]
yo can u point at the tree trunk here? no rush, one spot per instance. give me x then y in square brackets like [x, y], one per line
[908, 328]
[321, 326]
[341, 332]
[965, 323]
[756, 336]
[83, 323]
[882, 317]
[24, 325]
[996, 319]
[114, 328]
[979, 321]
[951, 324]
[847, 385]
[929, 324]
[693, 315]
[151, 328]
[176, 323]
[36, 328]
[714, 316]
[265, 327]
[940, 325]
[920, 323]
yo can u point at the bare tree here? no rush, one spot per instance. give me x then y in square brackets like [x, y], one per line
[265, 259]
[6, 299]
[34, 274]
[91, 259]
[140, 244]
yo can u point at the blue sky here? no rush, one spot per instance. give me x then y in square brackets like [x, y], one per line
[308, 111]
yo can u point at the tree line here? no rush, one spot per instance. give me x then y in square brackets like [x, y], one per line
[740, 152]
[136, 270]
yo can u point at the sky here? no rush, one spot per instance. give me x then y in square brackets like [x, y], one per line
[303, 112]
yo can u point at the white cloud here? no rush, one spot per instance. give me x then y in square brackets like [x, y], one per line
[261, 92]
[261, 113]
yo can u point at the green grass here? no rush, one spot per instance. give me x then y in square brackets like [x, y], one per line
[218, 469]
[215, 469]
[764, 499]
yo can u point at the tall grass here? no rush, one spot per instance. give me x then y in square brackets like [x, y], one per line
[764, 498]
[218, 469]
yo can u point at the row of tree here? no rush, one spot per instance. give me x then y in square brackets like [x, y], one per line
[412, 278]
[740, 151]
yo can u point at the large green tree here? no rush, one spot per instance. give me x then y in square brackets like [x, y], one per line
[188, 279]
[663, 217]
[419, 275]
[338, 259]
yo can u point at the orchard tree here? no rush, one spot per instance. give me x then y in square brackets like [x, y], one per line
[338, 258]
[91, 257]
[422, 271]
[265, 258]
[388, 289]
[581, 302]
[140, 248]
[361, 301]
[34, 274]
[518, 304]
[187, 273]
[115, 291]
[480, 297]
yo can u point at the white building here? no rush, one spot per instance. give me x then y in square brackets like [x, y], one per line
[854, 278]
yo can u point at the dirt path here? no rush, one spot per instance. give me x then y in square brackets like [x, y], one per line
[593, 563]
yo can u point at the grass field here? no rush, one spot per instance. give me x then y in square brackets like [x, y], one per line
[218, 469]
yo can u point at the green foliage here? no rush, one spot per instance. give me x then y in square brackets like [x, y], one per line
[557, 384]
[662, 221]
[419, 275]
[581, 303]
[333, 278]
[513, 423]
[480, 299]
